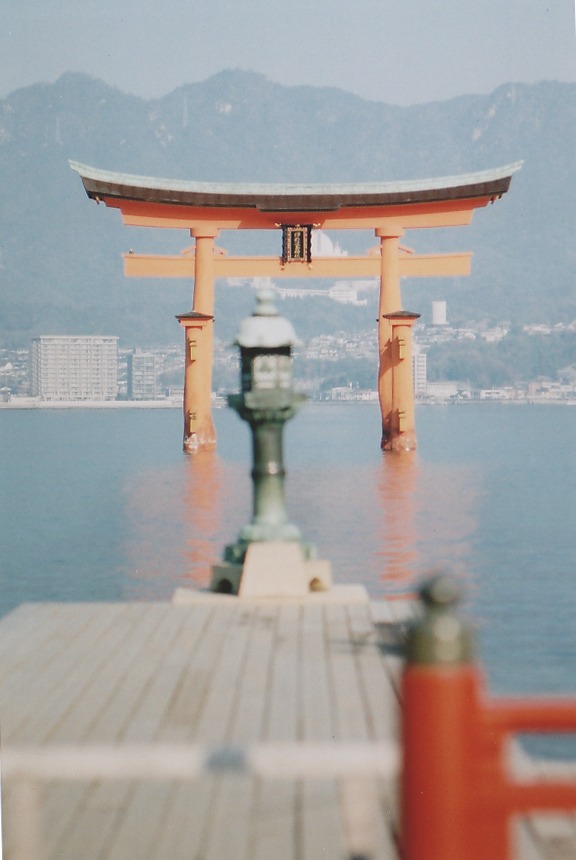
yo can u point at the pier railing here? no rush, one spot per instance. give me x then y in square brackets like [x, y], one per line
[463, 831]
[464, 778]
[354, 764]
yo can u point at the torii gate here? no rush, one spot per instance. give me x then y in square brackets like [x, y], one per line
[204, 209]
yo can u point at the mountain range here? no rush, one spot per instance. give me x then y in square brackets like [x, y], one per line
[60, 266]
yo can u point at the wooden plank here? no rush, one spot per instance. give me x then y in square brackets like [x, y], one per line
[220, 672]
[112, 656]
[230, 819]
[143, 807]
[63, 804]
[273, 823]
[28, 631]
[348, 705]
[275, 802]
[215, 717]
[90, 710]
[351, 650]
[180, 830]
[45, 685]
[320, 825]
[107, 705]
[300, 707]
[250, 707]
[185, 710]
[282, 717]
[378, 694]
[191, 807]
[317, 708]
[233, 802]
[156, 679]
[44, 637]
[228, 802]
[139, 823]
[381, 708]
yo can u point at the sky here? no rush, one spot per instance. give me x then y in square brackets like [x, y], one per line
[396, 51]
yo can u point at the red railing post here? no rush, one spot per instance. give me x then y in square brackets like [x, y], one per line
[458, 794]
[438, 701]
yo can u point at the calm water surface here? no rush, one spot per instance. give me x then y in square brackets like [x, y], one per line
[102, 505]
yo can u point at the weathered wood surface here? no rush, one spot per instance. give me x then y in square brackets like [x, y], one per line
[215, 672]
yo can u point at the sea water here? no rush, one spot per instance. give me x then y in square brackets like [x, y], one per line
[101, 505]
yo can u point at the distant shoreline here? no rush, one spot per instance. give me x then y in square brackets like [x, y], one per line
[25, 403]
[30, 404]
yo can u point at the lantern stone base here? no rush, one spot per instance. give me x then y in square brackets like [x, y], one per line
[272, 569]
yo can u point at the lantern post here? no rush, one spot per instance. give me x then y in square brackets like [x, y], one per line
[269, 556]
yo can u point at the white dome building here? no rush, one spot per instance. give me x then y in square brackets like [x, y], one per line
[323, 246]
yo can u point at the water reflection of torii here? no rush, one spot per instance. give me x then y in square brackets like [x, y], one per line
[204, 209]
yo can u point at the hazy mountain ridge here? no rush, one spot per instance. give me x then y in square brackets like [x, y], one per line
[60, 269]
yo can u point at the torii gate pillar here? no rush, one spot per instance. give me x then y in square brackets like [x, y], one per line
[389, 302]
[402, 424]
[199, 431]
[198, 425]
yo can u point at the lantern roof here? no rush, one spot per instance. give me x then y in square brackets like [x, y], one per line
[266, 329]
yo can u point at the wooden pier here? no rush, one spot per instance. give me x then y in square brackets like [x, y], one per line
[309, 680]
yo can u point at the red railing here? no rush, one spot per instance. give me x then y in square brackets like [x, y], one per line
[459, 789]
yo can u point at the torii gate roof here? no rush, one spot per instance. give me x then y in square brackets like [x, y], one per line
[301, 198]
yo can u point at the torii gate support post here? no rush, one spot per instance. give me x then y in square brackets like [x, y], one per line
[198, 426]
[403, 421]
[199, 430]
[389, 302]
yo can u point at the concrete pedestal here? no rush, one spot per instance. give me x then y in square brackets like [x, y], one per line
[272, 569]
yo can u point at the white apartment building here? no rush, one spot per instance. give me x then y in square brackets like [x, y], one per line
[69, 367]
[142, 373]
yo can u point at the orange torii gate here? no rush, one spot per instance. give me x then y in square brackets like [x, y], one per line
[204, 209]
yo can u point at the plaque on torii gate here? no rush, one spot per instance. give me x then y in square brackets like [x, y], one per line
[204, 209]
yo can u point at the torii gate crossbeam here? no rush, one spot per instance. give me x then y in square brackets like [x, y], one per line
[205, 209]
